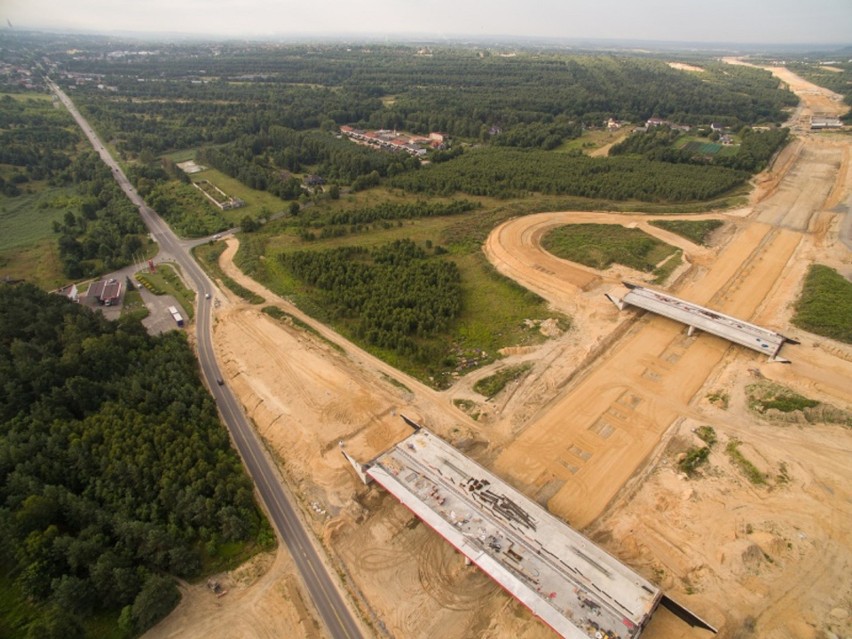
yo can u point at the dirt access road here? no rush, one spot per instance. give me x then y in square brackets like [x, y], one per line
[594, 431]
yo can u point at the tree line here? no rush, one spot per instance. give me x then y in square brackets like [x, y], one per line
[508, 173]
[114, 469]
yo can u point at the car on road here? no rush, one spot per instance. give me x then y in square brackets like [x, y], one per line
[207, 296]
[220, 381]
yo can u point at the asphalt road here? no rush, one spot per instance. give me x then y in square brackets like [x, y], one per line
[326, 597]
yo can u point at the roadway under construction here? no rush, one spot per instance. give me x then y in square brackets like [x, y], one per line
[574, 586]
[710, 321]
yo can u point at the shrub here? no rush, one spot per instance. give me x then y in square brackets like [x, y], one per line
[695, 456]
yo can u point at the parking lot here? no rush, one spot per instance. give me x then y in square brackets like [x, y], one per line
[159, 318]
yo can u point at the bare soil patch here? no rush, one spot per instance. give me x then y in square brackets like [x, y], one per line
[682, 66]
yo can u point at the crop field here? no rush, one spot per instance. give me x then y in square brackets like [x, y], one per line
[702, 148]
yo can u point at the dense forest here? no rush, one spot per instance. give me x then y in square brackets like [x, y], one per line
[193, 95]
[114, 469]
[102, 230]
[465, 93]
[517, 172]
[393, 297]
[37, 141]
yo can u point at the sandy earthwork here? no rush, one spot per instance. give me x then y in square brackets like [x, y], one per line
[594, 431]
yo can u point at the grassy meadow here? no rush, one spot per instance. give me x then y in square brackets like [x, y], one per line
[601, 245]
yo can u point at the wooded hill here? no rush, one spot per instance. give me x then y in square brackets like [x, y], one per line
[114, 469]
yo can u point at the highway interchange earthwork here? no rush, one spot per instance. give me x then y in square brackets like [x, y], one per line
[640, 374]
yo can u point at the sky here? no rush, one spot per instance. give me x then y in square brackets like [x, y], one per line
[699, 21]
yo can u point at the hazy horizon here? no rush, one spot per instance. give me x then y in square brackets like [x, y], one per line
[725, 22]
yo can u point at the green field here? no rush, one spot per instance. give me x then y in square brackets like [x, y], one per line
[181, 155]
[258, 203]
[132, 306]
[593, 139]
[28, 248]
[664, 270]
[601, 245]
[28, 218]
[705, 146]
[38, 264]
[702, 148]
[24, 97]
